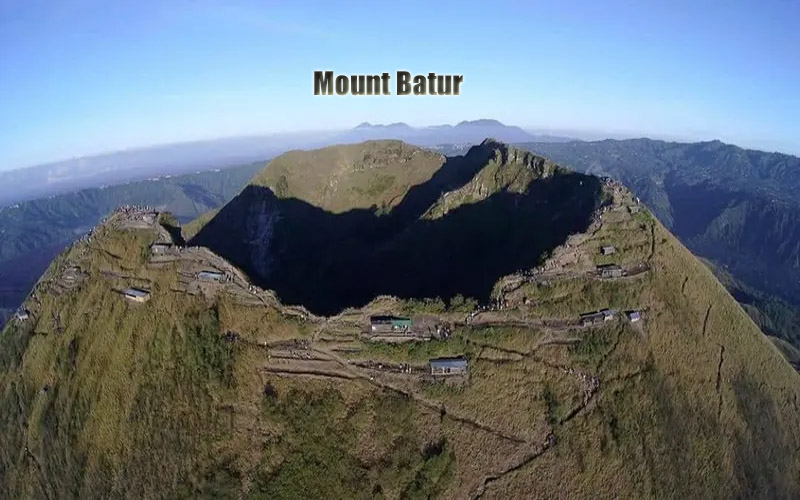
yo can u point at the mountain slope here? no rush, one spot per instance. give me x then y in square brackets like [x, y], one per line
[220, 389]
[737, 207]
[774, 316]
[33, 232]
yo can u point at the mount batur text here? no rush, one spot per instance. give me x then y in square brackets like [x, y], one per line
[431, 84]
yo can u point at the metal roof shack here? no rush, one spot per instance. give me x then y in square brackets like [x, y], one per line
[21, 315]
[448, 366]
[210, 276]
[608, 314]
[384, 324]
[136, 294]
[610, 271]
[608, 250]
[593, 318]
[598, 317]
[160, 248]
[634, 316]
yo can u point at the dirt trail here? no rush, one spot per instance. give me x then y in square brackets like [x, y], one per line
[705, 321]
[432, 405]
[42, 482]
[484, 345]
[627, 376]
[589, 395]
[719, 379]
[566, 341]
[526, 459]
[309, 373]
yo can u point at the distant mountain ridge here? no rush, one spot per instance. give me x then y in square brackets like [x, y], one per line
[391, 126]
[465, 132]
[132, 165]
[186, 157]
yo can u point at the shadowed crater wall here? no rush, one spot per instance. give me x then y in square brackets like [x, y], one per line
[327, 262]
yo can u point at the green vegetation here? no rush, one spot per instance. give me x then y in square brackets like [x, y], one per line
[161, 393]
[376, 186]
[553, 409]
[735, 207]
[427, 305]
[340, 178]
[594, 345]
[34, 232]
[282, 187]
[322, 436]
[415, 352]
[773, 315]
[318, 462]
[459, 303]
[214, 396]
[210, 357]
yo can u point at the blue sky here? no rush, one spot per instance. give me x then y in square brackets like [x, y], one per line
[86, 76]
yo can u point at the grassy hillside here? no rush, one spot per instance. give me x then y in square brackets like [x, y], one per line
[33, 233]
[338, 178]
[220, 390]
[734, 206]
[774, 316]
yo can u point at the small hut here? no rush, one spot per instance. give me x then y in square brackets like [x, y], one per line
[448, 366]
[610, 271]
[136, 295]
[211, 276]
[390, 324]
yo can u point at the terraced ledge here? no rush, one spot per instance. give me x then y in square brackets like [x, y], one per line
[526, 460]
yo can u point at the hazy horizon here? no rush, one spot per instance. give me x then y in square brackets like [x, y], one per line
[83, 77]
[580, 135]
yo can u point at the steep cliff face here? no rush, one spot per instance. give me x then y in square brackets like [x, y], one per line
[506, 169]
[587, 372]
[478, 217]
[259, 230]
